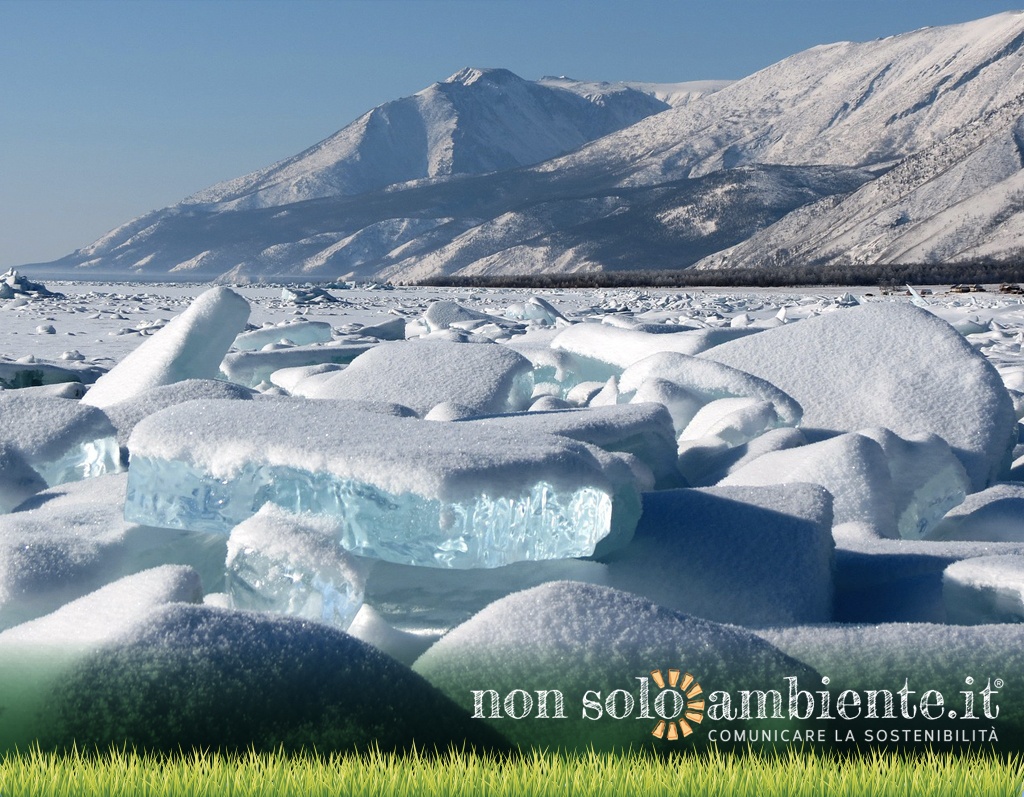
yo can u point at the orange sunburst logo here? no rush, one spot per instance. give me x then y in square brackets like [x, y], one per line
[691, 711]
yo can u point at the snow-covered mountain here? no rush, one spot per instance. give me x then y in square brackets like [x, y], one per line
[476, 121]
[897, 150]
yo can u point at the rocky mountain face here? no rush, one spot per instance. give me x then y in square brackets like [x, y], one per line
[904, 149]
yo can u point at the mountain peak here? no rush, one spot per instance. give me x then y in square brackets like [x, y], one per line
[470, 75]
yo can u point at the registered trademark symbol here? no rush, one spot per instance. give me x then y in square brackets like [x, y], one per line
[999, 683]
[952, 715]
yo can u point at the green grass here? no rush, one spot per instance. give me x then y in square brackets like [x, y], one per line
[38, 774]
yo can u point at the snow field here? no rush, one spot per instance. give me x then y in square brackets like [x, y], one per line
[851, 463]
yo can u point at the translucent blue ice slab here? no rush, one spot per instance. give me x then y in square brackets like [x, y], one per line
[541, 523]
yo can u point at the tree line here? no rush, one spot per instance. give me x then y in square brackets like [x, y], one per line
[885, 275]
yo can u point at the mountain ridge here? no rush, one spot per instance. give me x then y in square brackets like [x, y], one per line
[872, 152]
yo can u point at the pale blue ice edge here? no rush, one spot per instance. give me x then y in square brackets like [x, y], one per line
[483, 531]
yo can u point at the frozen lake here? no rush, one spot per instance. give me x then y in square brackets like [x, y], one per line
[501, 491]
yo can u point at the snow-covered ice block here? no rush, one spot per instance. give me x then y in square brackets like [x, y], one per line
[921, 657]
[191, 346]
[18, 479]
[449, 411]
[596, 643]
[298, 333]
[474, 496]
[37, 657]
[252, 368]
[622, 348]
[309, 295]
[102, 615]
[62, 440]
[900, 487]
[582, 393]
[289, 378]
[986, 589]
[20, 375]
[428, 600]
[927, 478]
[681, 404]
[752, 556]
[534, 309]
[706, 381]
[13, 284]
[369, 627]
[391, 329]
[993, 515]
[890, 365]
[292, 564]
[644, 430]
[215, 679]
[853, 468]
[553, 365]
[884, 580]
[70, 540]
[486, 378]
[707, 465]
[729, 422]
[443, 314]
[126, 414]
[549, 404]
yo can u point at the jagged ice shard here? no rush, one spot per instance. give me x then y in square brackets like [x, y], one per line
[401, 489]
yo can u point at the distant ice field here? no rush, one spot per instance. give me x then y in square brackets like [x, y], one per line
[104, 321]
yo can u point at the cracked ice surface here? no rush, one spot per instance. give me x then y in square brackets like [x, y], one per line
[477, 497]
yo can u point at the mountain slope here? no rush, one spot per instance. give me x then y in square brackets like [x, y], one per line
[476, 121]
[959, 199]
[904, 148]
[855, 104]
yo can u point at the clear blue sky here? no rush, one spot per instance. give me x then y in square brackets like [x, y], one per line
[112, 108]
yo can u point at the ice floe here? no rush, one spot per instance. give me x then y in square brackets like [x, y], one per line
[471, 497]
[284, 563]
